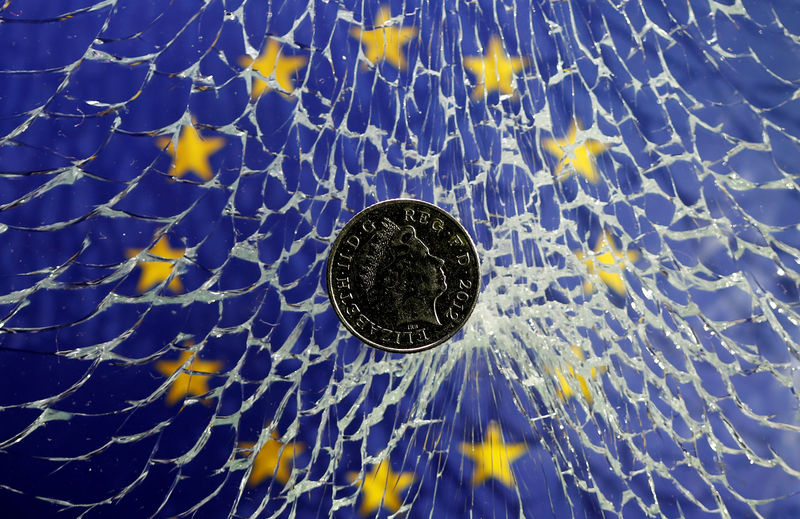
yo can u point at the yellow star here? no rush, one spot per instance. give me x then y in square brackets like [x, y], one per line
[578, 155]
[381, 487]
[493, 457]
[494, 70]
[385, 43]
[612, 256]
[565, 391]
[193, 379]
[192, 152]
[274, 460]
[270, 62]
[154, 272]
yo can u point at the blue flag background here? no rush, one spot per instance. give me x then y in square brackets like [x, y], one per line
[172, 176]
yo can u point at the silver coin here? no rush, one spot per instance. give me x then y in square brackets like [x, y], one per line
[403, 276]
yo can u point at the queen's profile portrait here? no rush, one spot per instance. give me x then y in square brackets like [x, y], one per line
[400, 277]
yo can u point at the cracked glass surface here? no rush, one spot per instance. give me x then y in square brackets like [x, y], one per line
[173, 174]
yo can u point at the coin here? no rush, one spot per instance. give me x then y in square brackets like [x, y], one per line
[403, 276]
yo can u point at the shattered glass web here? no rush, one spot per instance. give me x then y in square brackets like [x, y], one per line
[631, 189]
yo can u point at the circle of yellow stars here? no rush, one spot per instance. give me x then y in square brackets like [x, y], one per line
[494, 71]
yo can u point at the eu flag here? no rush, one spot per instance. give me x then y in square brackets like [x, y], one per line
[173, 175]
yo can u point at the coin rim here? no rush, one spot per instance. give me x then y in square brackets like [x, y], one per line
[335, 305]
